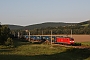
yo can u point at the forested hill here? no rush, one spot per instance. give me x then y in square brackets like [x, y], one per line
[12, 27]
[48, 24]
[41, 25]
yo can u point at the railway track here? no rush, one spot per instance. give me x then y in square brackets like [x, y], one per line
[69, 46]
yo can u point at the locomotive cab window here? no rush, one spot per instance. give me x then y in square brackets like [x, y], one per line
[71, 39]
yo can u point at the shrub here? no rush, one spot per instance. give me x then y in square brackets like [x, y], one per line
[9, 42]
[77, 44]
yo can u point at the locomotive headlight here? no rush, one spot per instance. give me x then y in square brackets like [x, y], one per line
[70, 41]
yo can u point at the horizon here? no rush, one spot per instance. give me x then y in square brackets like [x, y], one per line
[29, 12]
[43, 22]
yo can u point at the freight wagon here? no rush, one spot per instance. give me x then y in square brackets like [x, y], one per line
[65, 40]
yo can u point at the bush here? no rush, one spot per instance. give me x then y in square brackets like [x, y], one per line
[77, 44]
[9, 42]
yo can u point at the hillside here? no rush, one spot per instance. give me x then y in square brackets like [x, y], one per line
[85, 23]
[41, 25]
[15, 27]
[48, 24]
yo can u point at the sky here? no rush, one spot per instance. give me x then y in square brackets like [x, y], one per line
[28, 12]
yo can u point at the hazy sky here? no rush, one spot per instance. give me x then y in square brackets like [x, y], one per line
[27, 12]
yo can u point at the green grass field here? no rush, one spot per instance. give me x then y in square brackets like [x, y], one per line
[28, 51]
[85, 25]
[86, 43]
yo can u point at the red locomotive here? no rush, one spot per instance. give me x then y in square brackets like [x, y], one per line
[65, 40]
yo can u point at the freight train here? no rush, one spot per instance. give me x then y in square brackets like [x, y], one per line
[55, 39]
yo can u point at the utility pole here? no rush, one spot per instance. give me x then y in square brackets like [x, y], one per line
[71, 33]
[42, 32]
[51, 37]
[29, 36]
[71, 29]
[18, 35]
[14, 34]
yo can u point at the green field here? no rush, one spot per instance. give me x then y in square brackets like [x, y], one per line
[86, 43]
[28, 51]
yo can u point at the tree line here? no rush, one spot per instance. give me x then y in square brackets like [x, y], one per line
[77, 29]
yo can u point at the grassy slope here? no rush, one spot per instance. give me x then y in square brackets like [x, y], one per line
[27, 51]
[85, 23]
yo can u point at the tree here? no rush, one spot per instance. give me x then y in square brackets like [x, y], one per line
[5, 33]
[0, 30]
